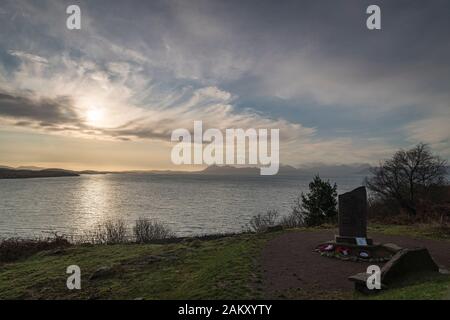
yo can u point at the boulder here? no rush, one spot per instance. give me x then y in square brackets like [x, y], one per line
[274, 228]
[102, 272]
[405, 263]
[392, 247]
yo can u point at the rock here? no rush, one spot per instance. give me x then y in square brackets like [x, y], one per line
[102, 272]
[408, 261]
[147, 260]
[170, 256]
[56, 252]
[364, 254]
[405, 263]
[196, 243]
[444, 271]
[360, 281]
[392, 247]
[274, 228]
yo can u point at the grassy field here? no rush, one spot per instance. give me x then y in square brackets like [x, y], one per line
[216, 269]
[431, 287]
[421, 231]
[225, 268]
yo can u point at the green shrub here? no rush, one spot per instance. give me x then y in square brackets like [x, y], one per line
[317, 206]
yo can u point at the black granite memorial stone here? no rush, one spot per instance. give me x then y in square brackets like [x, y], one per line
[353, 217]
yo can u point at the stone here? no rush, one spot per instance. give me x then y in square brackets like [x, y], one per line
[274, 228]
[364, 254]
[56, 252]
[353, 216]
[444, 271]
[146, 260]
[101, 273]
[392, 247]
[408, 261]
[360, 281]
[405, 263]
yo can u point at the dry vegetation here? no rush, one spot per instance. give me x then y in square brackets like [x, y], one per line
[110, 232]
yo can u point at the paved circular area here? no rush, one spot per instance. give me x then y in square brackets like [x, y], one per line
[288, 261]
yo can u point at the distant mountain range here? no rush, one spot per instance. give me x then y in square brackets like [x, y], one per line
[325, 171]
[285, 170]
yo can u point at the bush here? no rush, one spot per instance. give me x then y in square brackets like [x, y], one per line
[14, 249]
[146, 231]
[261, 222]
[431, 208]
[116, 232]
[316, 207]
[293, 220]
[109, 232]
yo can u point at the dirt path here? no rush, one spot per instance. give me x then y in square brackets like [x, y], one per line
[288, 261]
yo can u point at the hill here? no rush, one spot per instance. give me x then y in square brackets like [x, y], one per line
[285, 170]
[25, 174]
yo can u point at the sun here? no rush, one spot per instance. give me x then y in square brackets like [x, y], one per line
[94, 116]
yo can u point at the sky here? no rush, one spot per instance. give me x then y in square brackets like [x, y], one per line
[109, 95]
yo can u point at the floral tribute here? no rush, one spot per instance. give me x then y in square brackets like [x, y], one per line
[352, 253]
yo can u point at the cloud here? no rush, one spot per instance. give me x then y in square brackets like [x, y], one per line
[210, 104]
[28, 56]
[135, 105]
[162, 65]
[434, 131]
[51, 112]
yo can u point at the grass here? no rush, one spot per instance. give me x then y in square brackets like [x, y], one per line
[421, 231]
[435, 287]
[223, 268]
[428, 287]
[214, 269]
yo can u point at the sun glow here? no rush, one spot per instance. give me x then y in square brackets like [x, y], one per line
[94, 116]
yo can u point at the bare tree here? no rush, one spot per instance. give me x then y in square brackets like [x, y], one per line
[407, 174]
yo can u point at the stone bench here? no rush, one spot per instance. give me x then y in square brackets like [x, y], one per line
[405, 262]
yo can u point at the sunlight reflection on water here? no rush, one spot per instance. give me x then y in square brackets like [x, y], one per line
[189, 204]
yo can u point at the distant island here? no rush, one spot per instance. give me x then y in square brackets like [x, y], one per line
[45, 173]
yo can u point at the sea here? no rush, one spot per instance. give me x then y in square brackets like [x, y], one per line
[189, 204]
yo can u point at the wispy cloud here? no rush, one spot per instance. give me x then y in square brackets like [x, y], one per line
[28, 56]
[160, 65]
[52, 111]
[434, 131]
